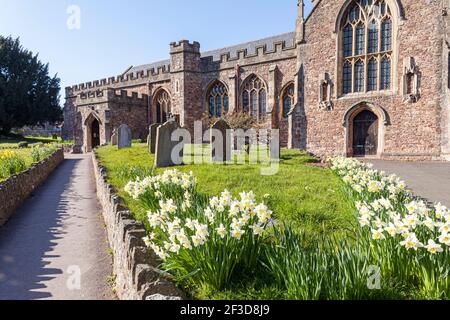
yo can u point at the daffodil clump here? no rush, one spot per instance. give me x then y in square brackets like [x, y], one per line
[389, 210]
[199, 240]
[411, 236]
[40, 152]
[10, 164]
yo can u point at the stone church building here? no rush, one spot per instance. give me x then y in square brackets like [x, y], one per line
[356, 78]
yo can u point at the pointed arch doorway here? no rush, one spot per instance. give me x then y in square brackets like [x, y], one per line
[365, 126]
[365, 134]
[95, 134]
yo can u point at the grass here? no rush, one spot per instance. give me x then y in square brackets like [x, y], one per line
[304, 196]
[13, 141]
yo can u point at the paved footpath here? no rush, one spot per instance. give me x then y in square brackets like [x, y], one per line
[55, 236]
[430, 180]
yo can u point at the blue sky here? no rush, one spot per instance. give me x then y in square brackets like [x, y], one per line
[116, 34]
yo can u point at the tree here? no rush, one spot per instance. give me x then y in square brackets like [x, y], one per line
[28, 95]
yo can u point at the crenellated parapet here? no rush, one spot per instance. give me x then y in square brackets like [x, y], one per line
[128, 79]
[184, 46]
[258, 54]
[110, 95]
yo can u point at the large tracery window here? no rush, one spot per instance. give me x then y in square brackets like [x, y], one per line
[367, 47]
[163, 106]
[218, 101]
[254, 99]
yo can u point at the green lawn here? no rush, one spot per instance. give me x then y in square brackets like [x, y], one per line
[307, 197]
[13, 141]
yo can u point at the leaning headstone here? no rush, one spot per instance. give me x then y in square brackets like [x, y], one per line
[151, 140]
[114, 138]
[165, 146]
[124, 140]
[221, 141]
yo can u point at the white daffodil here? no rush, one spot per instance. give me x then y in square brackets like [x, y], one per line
[214, 202]
[147, 241]
[378, 234]
[257, 229]
[236, 224]
[444, 227]
[197, 241]
[386, 203]
[445, 239]
[411, 242]
[379, 223]
[430, 224]
[391, 229]
[411, 221]
[237, 233]
[209, 214]
[364, 220]
[221, 231]
[202, 231]
[440, 210]
[190, 224]
[374, 186]
[433, 247]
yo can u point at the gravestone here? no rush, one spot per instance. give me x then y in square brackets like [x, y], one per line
[165, 146]
[124, 139]
[151, 140]
[114, 138]
[274, 144]
[221, 141]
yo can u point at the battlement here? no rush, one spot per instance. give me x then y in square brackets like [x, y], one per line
[184, 46]
[121, 80]
[278, 48]
[111, 95]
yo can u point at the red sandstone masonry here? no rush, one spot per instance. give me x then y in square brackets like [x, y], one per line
[134, 265]
[16, 189]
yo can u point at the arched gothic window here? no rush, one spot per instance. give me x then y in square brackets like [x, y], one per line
[218, 101]
[162, 106]
[287, 100]
[367, 32]
[254, 98]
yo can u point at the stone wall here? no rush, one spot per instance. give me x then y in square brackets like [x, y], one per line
[16, 189]
[134, 265]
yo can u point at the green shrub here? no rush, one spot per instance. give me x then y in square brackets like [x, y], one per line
[23, 145]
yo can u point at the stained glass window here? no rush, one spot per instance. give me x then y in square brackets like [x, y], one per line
[372, 76]
[385, 74]
[163, 106]
[367, 33]
[218, 103]
[288, 100]
[359, 76]
[254, 98]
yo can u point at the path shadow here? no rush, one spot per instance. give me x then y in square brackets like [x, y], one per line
[28, 239]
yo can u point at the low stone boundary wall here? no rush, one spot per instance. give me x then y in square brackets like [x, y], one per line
[16, 189]
[137, 277]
